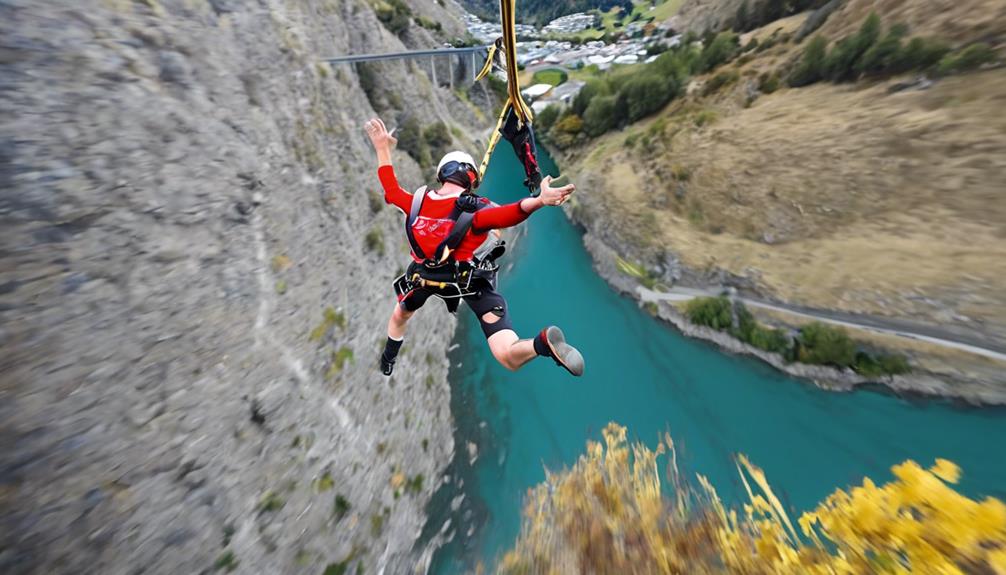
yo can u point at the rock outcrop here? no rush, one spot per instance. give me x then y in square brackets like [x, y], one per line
[195, 268]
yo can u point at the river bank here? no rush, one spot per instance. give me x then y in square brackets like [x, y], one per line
[918, 382]
[512, 427]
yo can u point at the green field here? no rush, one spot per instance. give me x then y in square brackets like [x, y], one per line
[553, 76]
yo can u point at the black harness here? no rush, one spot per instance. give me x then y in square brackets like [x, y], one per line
[447, 278]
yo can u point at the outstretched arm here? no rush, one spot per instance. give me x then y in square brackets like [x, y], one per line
[384, 141]
[515, 213]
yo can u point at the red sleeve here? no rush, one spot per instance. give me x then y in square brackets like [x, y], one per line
[393, 193]
[498, 217]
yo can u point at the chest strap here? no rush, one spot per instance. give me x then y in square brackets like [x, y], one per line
[462, 224]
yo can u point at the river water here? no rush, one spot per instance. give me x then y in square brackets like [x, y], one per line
[646, 376]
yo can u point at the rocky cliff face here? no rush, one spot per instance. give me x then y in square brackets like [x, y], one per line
[194, 281]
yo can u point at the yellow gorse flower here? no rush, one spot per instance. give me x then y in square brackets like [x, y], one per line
[608, 514]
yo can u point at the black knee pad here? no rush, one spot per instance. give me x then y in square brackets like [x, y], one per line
[490, 302]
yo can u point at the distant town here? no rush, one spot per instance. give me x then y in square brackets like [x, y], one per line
[540, 49]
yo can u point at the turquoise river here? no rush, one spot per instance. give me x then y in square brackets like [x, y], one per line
[647, 376]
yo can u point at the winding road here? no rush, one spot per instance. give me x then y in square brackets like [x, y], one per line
[943, 337]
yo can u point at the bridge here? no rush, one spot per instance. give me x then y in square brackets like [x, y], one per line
[467, 61]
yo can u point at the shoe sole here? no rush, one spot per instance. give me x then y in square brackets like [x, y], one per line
[566, 355]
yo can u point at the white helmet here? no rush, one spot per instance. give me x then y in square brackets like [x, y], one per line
[459, 168]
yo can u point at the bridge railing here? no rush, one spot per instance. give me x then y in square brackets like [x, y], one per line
[468, 57]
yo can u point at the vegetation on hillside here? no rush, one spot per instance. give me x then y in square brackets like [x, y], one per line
[540, 12]
[610, 513]
[871, 52]
[627, 95]
[815, 343]
[750, 16]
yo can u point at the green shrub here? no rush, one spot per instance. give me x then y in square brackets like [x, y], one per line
[376, 524]
[339, 359]
[884, 56]
[600, 116]
[720, 80]
[586, 94]
[842, 62]
[566, 131]
[879, 365]
[330, 318]
[547, 117]
[676, 64]
[768, 83]
[412, 142]
[374, 240]
[645, 95]
[768, 339]
[704, 117]
[920, 54]
[714, 312]
[270, 502]
[720, 50]
[497, 86]
[339, 568]
[437, 135]
[811, 66]
[429, 24]
[970, 58]
[414, 484]
[826, 345]
[375, 201]
[395, 15]
[370, 84]
[226, 561]
[341, 507]
[438, 139]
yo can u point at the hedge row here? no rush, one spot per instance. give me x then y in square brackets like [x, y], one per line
[817, 343]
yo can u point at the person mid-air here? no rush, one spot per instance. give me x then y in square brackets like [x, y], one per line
[446, 228]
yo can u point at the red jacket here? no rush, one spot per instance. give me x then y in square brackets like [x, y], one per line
[434, 223]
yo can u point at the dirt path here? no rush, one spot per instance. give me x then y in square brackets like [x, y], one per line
[910, 330]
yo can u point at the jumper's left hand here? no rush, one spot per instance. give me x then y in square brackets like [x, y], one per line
[554, 196]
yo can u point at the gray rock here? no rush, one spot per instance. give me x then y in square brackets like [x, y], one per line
[174, 68]
[154, 162]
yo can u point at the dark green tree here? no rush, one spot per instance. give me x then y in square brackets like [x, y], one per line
[645, 95]
[600, 116]
[587, 93]
[826, 345]
[811, 66]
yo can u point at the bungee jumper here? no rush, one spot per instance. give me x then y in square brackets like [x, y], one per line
[448, 229]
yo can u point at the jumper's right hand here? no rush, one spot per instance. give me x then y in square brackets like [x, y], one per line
[554, 196]
[379, 134]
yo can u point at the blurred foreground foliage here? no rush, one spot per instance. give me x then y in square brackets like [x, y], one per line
[608, 514]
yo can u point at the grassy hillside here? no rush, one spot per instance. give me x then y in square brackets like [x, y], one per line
[539, 12]
[862, 195]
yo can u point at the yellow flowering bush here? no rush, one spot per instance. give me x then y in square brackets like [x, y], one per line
[608, 515]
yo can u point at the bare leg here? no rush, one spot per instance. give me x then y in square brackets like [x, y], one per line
[513, 352]
[508, 349]
[398, 322]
